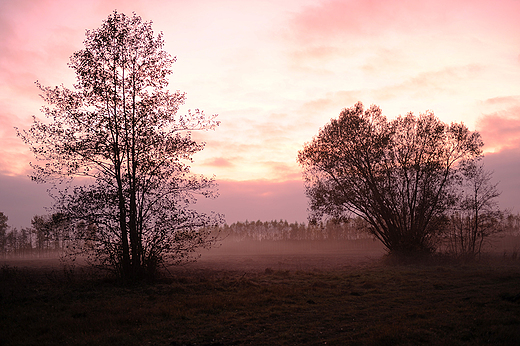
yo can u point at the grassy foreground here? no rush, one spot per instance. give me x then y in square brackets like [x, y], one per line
[368, 305]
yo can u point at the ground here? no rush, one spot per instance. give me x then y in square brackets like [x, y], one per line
[267, 294]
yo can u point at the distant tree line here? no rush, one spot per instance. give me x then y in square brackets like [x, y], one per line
[48, 234]
[54, 234]
[283, 230]
[458, 237]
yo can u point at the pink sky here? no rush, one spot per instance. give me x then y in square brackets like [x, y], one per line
[275, 72]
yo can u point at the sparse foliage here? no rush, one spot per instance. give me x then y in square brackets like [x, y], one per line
[119, 129]
[476, 216]
[400, 176]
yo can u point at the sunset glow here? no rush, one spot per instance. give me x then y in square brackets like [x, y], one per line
[276, 72]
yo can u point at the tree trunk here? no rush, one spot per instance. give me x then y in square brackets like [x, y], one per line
[125, 264]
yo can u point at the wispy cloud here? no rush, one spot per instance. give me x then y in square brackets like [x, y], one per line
[218, 162]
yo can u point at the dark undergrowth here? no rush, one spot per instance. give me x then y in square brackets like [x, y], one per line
[377, 304]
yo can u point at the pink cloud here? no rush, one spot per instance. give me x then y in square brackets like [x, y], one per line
[218, 162]
[374, 17]
[282, 171]
[320, 52]
[336, 17]
[323, 30]
[258, 200]
[502, 100]
[14, 154]
[501, 130]
[334, 102]
[40, 36]
[432, 83]
[34, 43]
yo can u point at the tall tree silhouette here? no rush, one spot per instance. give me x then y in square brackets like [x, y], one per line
[120, 127]
[400, 176]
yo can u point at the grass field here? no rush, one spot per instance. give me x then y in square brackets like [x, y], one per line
[364, 303]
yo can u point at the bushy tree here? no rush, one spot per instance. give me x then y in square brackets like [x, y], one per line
[120, 128]
[400, 176]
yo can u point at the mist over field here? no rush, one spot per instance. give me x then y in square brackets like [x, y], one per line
[247, 255]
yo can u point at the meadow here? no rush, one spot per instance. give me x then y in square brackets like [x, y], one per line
[292, 295]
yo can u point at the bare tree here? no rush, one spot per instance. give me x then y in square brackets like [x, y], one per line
[477, 215]
[399, 176]
[119, 127]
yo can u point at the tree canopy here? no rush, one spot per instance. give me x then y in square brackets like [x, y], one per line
[401, 176]
[120, 128]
